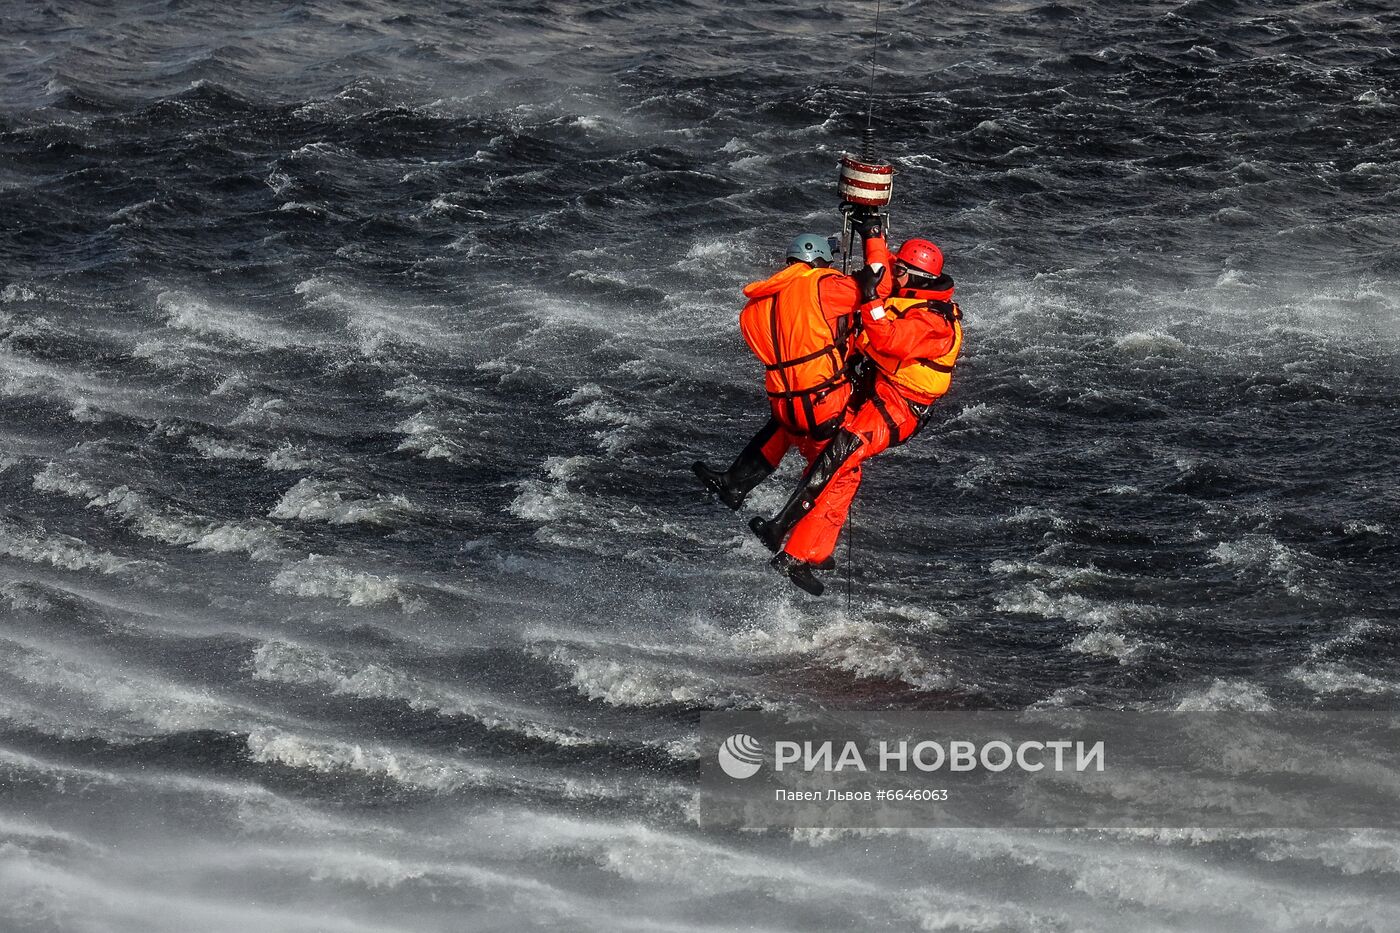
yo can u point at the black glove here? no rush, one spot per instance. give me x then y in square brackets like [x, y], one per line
[867, 224]
[869, 278]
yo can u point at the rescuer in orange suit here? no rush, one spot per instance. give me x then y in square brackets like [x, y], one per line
[913, 340]
[800, 323]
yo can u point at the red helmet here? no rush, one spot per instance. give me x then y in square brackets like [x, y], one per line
[922, 256]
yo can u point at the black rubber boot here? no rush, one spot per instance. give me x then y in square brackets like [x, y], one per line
[718, 483]
[828, 564]
[770, 533]
[749, 469]
[798, 571]
[773, 532]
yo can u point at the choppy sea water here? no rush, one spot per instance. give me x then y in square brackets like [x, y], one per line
[352, 358]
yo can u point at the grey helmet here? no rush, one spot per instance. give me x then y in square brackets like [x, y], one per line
[810, 246]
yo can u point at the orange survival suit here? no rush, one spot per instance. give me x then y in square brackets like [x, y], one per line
[914, 340]
[800, 323]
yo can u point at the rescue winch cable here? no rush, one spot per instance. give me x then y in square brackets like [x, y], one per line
[850, 550]
[868, 142]
[865, 183]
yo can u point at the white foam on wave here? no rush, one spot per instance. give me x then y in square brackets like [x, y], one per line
[76, 697]
[190, 313]
[1184, 888]
[277, 746]
[427, 433]
[166, 352]
[1056, 576]
[411, 390]
[291, 663]
[923, 619]
[863, 649]
[707, 869]
[1350, 638]
[377, 324]
[1235, 217]
[414, 769]
[376, 873]
[319, 577]
[211, 449]
[230, 384]
[939, 910]
[288, 458]
[710, 251]
[1325, 671]
[1106, 644]
[550, 499]
[169, 526]
[90, 400]
[255, 541]
[654, 856]
[1334, 678]
[603, 278]
[314, 500]
[629, 684]
[582, 394]
[315, 210]
[26, 833]
[425, 438]
[143, 894]
[62, 774]
[1264, 554]
[1031, 600]
[1181, 885]
[1150, 343]
[22, 597]
[975, 415]
[619, 423]
[1108, 623]
[262, 411]
[1376, 168]
[63, 552]
[1353, 852]
[1031, 514]
[84, 412]
[284, 458]
[1226, 694]
[254, 807]
[985, 471]
[636, 682]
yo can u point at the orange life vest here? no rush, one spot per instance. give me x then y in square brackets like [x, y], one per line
[921, 377]
[804, 359]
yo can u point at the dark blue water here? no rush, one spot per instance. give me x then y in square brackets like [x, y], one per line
[352, 359]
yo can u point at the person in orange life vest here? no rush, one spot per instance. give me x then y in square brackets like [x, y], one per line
[800, 323]
[913, 339]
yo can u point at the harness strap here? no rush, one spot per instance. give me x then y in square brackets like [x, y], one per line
[885, 413]
[822, 470]
[773, 331]
[820, 390]
[948, 310]
[809, 411]
[807, 358]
